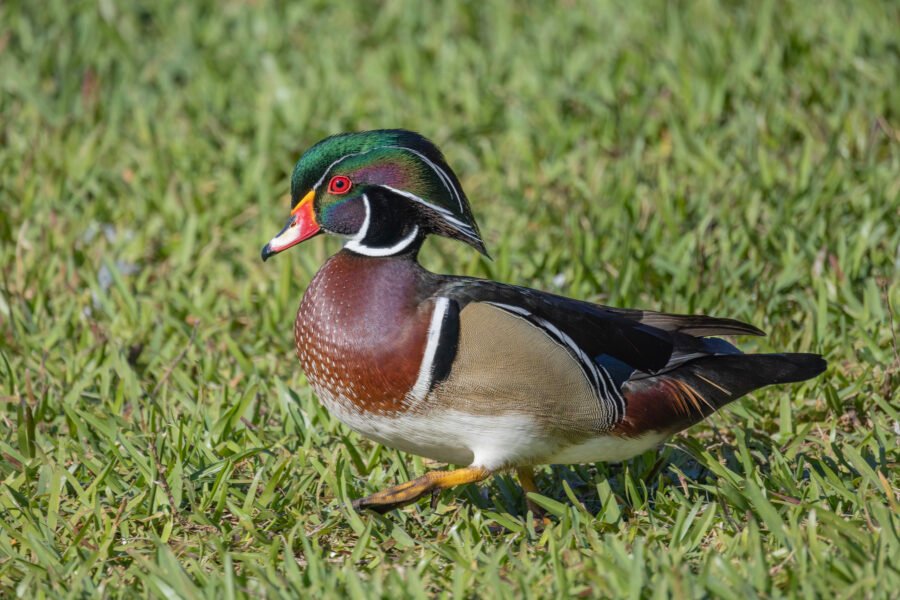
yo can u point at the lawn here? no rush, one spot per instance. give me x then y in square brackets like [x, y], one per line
[157, 437]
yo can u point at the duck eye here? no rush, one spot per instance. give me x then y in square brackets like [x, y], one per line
[339, 185]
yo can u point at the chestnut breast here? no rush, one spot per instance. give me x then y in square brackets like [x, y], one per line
[361, 330]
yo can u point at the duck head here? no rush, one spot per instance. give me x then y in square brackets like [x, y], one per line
[384, 191]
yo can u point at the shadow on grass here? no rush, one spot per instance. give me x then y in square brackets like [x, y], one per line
[636, 483]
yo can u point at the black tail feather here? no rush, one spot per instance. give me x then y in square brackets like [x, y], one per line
[685, 395]
[722, 379]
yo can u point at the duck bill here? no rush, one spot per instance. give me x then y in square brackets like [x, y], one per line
[300, 226]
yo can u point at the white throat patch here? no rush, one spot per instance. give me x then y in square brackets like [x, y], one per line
[357, 243]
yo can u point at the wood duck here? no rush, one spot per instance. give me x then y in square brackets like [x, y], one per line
[474, 372]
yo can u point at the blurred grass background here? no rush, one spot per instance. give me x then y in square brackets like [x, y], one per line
[158, 437]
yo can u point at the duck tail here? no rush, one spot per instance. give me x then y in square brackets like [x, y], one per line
[686, 395]
[722, 379]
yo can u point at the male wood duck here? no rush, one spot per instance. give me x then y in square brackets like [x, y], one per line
[474, 372]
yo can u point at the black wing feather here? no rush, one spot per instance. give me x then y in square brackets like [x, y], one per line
[644, 340]
[695, 325]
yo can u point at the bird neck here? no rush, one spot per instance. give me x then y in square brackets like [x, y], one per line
[385, 233]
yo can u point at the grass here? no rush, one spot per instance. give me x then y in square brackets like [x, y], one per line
[158, 437]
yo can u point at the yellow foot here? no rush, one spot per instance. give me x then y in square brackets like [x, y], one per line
[407, 493]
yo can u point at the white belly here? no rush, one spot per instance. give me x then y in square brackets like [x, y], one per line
[454, 437]
[492, 442]
[606, 448]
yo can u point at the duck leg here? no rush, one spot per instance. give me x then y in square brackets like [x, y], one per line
[526, 480]
[407, 493]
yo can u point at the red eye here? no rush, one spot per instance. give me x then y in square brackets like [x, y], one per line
[339, 185]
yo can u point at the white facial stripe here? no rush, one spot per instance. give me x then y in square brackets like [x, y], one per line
[356, 242]
[426, 369]
[445, 179]
[443, 211]
[331, 166]
[463, 228]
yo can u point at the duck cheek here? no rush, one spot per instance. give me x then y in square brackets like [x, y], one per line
[344, 218]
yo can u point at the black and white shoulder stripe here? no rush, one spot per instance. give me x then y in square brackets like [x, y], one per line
[440, 348]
